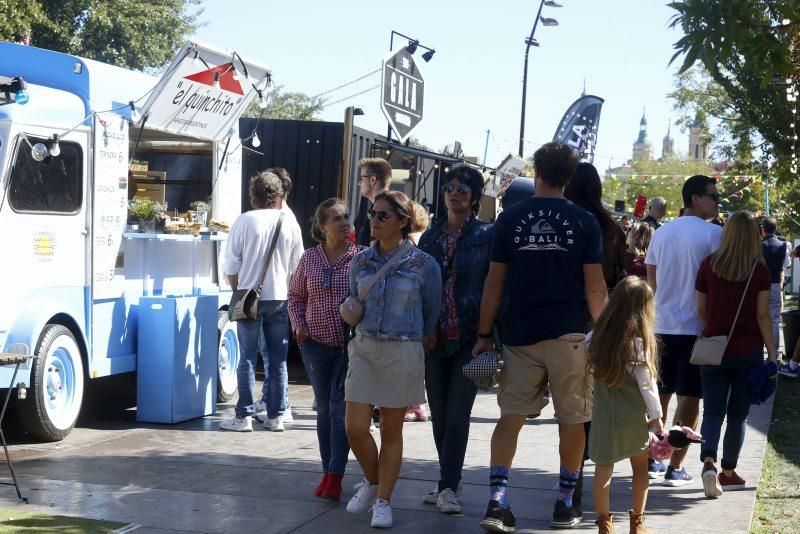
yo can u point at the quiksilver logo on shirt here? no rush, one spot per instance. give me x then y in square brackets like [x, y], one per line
[543, 230]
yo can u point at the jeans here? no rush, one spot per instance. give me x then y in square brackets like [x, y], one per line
[775, 306]
[725, 392]
[326, 378]
[274, 319]
[450, 397]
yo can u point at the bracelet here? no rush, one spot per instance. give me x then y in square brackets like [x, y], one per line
[485, 336]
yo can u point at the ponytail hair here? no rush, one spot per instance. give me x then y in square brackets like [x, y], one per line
[320, 217]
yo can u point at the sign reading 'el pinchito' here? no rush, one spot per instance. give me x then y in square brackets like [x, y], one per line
[403, 91]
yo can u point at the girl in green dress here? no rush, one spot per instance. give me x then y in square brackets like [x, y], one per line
[621, 354]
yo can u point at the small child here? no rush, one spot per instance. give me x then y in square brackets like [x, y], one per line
[621, 354]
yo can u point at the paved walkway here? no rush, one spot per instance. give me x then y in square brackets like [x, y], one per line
[193, 478]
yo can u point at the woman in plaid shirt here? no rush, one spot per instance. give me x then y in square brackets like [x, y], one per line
[319, 285]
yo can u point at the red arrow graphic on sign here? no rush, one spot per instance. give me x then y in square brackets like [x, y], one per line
[226, 79]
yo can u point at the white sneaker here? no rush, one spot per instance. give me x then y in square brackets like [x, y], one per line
[274, 425]
[381, 514]
[260, 406]
[432, 496]
[447, 503]
[287, 415]
[363, 499]
[236, 424]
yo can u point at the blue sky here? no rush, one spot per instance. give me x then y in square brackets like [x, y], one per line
[474, 82]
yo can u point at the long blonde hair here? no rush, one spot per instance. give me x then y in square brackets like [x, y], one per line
[639, 238]
[739, 248]
[630, 314]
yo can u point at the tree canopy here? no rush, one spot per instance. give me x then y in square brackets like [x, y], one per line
[134, 34]
[283, 104]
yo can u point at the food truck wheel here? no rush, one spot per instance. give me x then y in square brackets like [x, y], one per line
[54, 401]
[227, 358]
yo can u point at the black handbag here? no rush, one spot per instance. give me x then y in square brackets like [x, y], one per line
[244, 302]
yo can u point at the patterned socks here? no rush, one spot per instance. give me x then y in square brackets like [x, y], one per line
[498, 482]
[568, 479]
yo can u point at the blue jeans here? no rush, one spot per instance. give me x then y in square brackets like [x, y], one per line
[327, 368]
[725, 392]
[274, 319]
[450, 397]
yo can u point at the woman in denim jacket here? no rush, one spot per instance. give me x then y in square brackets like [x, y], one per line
[387, 359]
[460, 245]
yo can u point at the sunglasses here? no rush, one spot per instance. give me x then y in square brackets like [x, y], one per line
[382, 216]
[450, 187]
[326, 277]
[714, 196]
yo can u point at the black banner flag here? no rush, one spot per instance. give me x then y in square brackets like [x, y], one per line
[578, 128]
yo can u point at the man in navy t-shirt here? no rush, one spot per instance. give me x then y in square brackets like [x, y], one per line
[551, 250]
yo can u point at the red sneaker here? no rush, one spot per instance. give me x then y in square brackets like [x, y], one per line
[333, 490]
[322, 484]
[731, 482]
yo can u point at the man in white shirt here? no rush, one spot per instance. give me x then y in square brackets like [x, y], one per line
[246, 254]
[673, 259]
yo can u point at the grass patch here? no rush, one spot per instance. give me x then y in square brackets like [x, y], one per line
[778, 495]
[17, 521]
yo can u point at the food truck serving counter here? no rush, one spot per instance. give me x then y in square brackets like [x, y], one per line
[115, 186]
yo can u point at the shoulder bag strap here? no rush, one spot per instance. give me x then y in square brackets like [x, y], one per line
[270, 251]
[408, 245]
[742, 301]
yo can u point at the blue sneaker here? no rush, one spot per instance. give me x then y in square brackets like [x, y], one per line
[787, 371]
[675, 478]
[655, 468]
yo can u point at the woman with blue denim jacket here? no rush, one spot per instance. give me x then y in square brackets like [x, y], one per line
[386, 357]
[460, 245]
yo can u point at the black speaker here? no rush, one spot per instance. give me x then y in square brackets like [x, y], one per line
[619, 205]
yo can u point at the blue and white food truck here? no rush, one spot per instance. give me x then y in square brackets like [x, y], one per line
[73, 269]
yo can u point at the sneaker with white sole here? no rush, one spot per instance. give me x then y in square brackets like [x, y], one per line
[381, 514]
[259, 406]
[677, 477]
[238, 424]
[274, 424]
[446, 502]
[711, 486]
[432, 496]
[787, 371]
[287, 415]
[364, 497]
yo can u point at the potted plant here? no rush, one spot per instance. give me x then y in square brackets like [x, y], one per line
[147, 212]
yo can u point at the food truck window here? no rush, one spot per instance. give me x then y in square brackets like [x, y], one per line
[53, 185]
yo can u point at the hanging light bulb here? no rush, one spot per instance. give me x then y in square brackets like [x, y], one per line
[262, 102]
[55, 148]
[196, 59]
[38, 152]
[135, 115]
[236, 74]
[256, 142]
[216, 80]
[270, 85]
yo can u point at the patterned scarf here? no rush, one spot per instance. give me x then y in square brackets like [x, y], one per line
[449, 327]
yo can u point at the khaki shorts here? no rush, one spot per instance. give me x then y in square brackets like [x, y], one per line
[528, 369]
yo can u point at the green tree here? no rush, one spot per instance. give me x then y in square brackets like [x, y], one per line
[287, 105]
[134, 34]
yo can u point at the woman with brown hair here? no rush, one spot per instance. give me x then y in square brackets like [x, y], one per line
[637, 241]
[733, 280]
[387, 359]
[320, 284]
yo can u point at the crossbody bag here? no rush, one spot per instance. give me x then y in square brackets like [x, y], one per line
[710, 350]
[352, 309]
[244, 302]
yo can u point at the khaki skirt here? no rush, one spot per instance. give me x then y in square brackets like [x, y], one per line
[385, 373]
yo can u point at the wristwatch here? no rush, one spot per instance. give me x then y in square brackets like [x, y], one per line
[485, 336]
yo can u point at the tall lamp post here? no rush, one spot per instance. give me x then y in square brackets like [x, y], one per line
[530, 41]
[411, 47]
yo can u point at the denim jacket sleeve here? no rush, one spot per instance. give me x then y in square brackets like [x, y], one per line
[431, 296]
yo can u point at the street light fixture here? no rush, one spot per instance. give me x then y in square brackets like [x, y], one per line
[411, 48]
[529, 42]
[427, 56]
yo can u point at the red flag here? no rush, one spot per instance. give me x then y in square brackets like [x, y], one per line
[641, 204]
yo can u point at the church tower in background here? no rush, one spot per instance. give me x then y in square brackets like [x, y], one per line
[698, 147]
[668, 145]
[642, 149]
